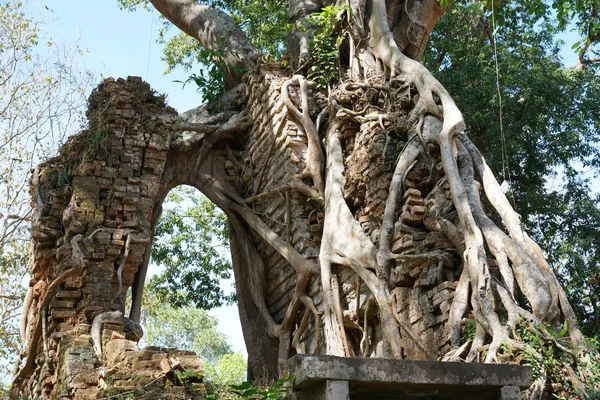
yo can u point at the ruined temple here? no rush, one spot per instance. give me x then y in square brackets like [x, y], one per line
[97, 202]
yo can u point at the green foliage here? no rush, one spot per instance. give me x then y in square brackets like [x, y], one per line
[185, 327]
[194, 329]
[551, 131]
[189, 377]
[190, 244]
[212, 86]
[545, 356]
[60, 174]
[468, 333]
[276, 391]
[230, 369]
[594, 368]
[540, 354]
[247, 390]
[12, 270]
[585, 15]
[94, 139]
[265, 23]
[327, 36]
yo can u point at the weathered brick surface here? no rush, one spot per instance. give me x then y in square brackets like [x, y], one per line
[105, 184]
[97, 194]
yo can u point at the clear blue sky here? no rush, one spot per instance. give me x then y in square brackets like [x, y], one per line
[121, 44]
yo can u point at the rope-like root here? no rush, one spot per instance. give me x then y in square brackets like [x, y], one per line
[291, 316]
[298, 186]
[114, 317]
[407, 158]
[256, 279]
[222, 194]
[518, 257]
[130, 240]
[25, 315]
[346, 244]
[314, 153]
[44, 317]
[512, 222]
[310, 309]
[31, 348]
[365, 341]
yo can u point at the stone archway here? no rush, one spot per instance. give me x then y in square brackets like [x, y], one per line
[96, 205]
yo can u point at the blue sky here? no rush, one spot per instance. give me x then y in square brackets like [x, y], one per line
[121, 44]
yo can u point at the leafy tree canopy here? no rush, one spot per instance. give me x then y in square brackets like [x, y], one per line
[267, 24]
[190, 244]
[191, 328]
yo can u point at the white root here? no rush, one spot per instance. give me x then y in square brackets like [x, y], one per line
[25, 315]
[314, 152]
[114, 317]
[123, 260]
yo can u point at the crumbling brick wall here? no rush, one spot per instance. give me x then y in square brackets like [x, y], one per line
[93, 206]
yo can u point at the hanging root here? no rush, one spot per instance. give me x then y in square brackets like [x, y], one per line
[314, 153]
[406, 160]
[114, 317]
[310, 309]
[130, 240]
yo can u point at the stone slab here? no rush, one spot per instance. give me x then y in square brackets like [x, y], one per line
[377, 375]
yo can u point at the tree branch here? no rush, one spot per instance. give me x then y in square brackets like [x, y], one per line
[215, 30]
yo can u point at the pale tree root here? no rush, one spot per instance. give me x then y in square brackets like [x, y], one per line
[256, 280]
[223, 195]
[133, 329]
[314, 153]
[520, 261]
[346, 244]
[123, 260]
[512, 222]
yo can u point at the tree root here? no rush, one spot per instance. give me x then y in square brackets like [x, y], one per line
[108, 317]
[309, 310]
[407, 158]
[314, 153]
[25, 315]
[130, 240]
[298, 186]
[31, 347]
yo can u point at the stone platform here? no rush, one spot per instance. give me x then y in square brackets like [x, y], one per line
[338, 378]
